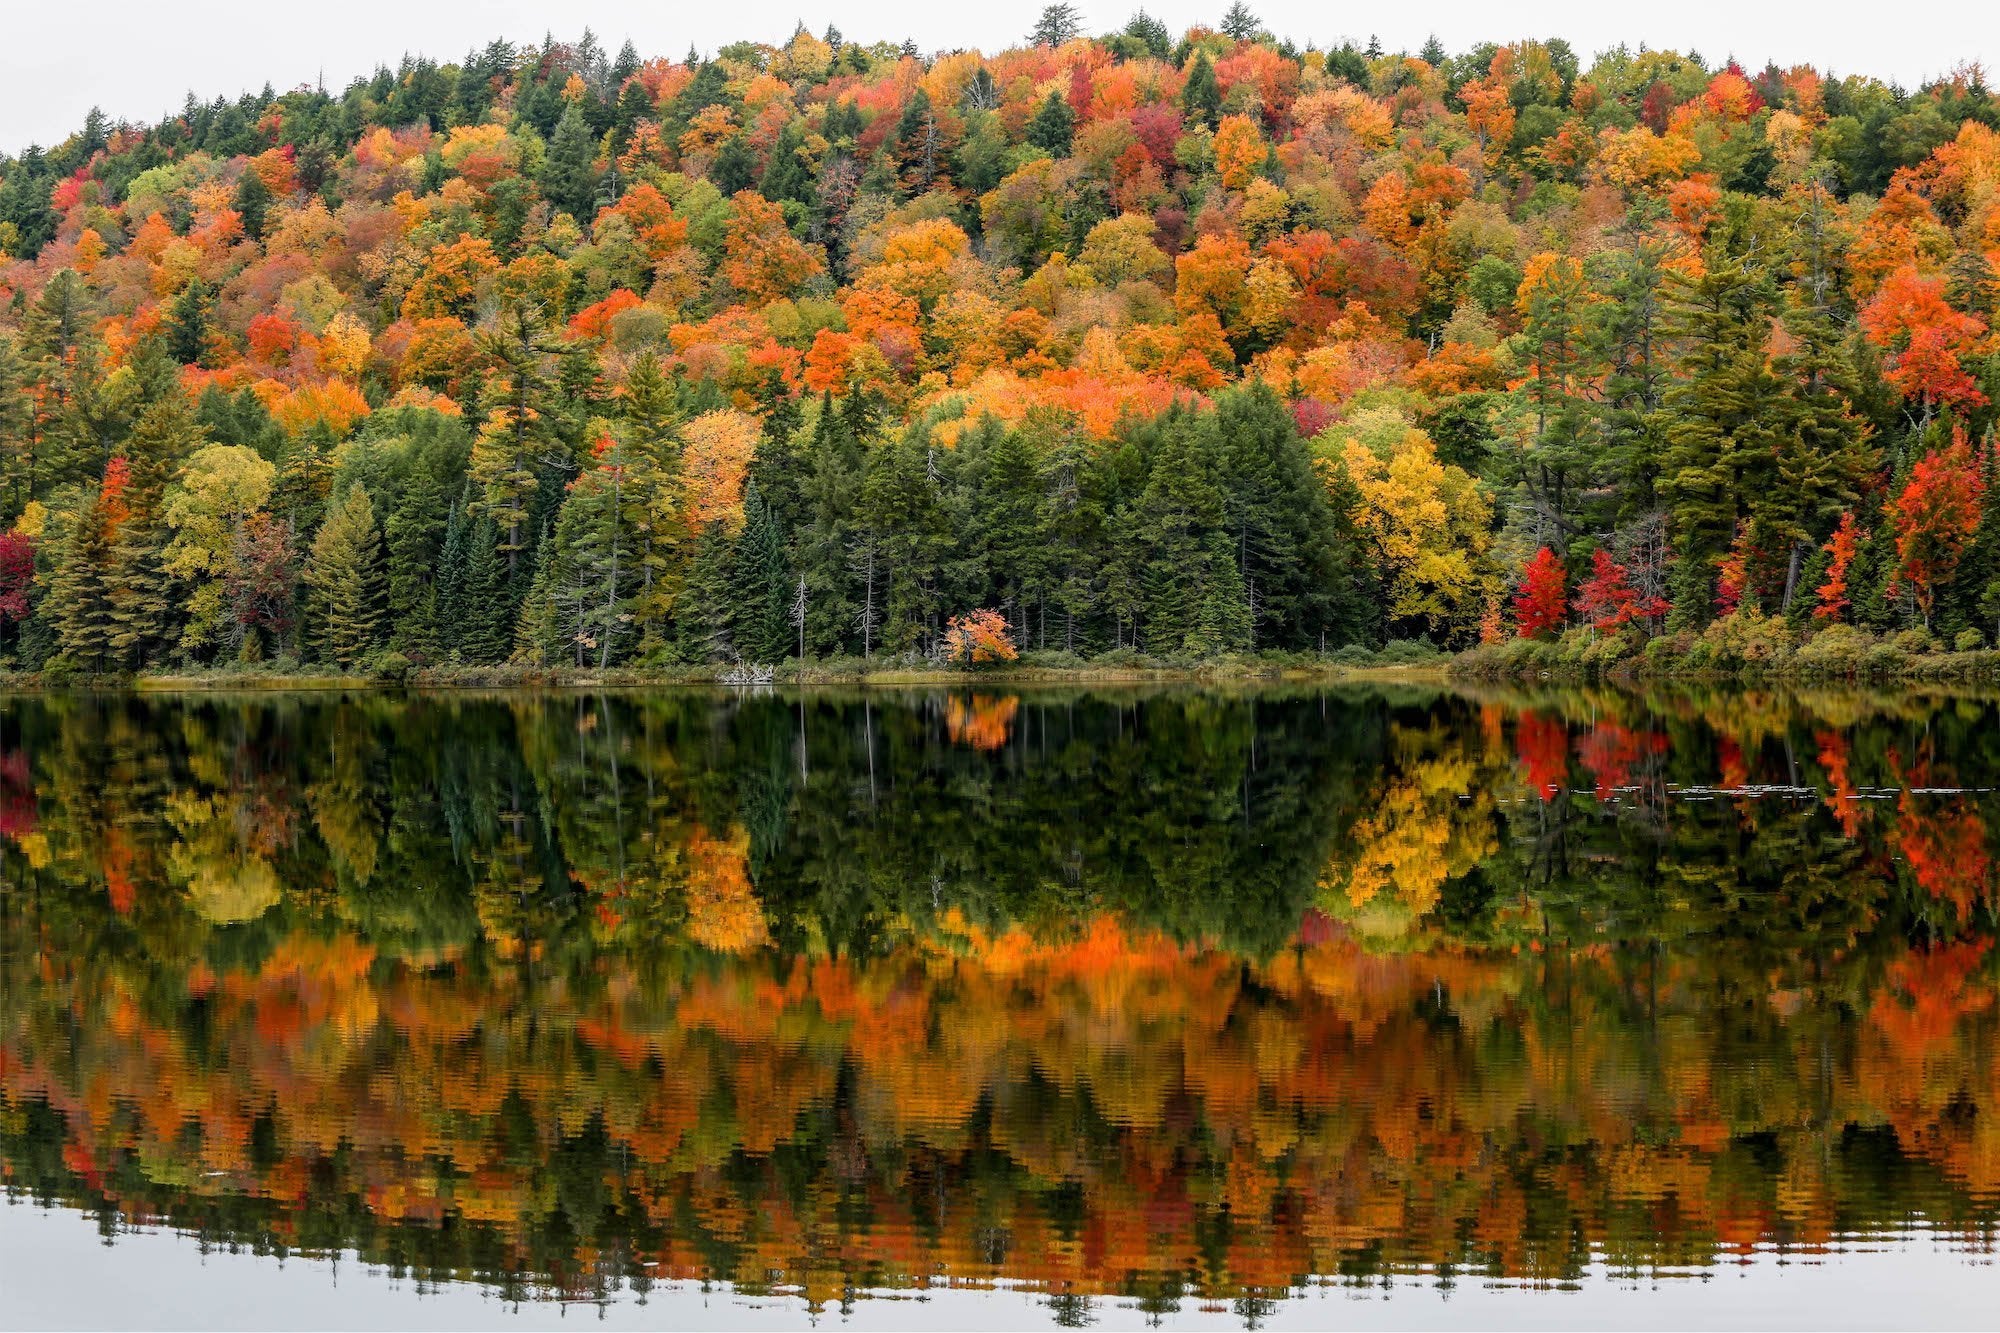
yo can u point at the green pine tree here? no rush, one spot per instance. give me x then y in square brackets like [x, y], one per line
[344, 572]
[760, 587]
[702, 613]
[1201, 95]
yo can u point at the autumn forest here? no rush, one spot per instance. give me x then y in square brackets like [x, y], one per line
[1133, 346]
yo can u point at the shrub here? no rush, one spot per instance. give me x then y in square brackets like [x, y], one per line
[1969, 641]
[1915, 640]
[1403, 652]
[979, 638]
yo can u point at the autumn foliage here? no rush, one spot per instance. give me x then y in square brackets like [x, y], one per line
[1539, 606]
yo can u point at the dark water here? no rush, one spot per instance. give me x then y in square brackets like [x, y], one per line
[1122, 1008]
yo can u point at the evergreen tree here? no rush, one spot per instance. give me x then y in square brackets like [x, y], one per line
[414, 544]
[18, 432]
[569, 177]
[703, 613]
[1053, 126]
[253, 201]
[833, 490]
[1201, 94]
[188, 323]
[759, 585]
[518, 440]
[1169, 530]
[485, 634]
[906, 519]
[1222, 622]
[1238, 23]
[652, 502]
[1722, 427]
[79, 597]
[448, 597]
[1057, 24]
[344, 572]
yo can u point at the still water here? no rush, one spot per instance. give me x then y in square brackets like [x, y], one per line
[1279, 1008]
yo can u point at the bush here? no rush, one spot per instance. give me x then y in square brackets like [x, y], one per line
[1837, 650]
[1743, 639]
[1407, 652]
[1968, 641]
[389, 666]
[1915, 640]
[1352, 655]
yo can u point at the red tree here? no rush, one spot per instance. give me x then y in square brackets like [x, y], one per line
[17, 574]
[1911, 320]
[1843, 545]
[1935, 516]
[1538, 607]
[1608, 600]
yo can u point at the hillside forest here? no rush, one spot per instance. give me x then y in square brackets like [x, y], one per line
[1133, 344]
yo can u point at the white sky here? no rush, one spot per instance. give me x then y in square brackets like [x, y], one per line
[138, 58]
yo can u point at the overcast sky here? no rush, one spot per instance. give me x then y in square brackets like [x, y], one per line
[137, 59]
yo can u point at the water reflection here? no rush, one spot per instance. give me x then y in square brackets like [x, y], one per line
[1189, 997]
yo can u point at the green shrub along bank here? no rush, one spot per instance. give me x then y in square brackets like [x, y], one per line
[1745, 644]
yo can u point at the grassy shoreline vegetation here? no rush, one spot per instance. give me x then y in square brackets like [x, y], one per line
[1416, 662]
[1736, 648]
[1215, 354]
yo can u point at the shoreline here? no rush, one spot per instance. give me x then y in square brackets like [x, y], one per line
[1435, 673]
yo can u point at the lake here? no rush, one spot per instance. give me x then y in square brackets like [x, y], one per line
[1371, 1006]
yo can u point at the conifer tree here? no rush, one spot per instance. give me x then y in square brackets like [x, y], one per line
[1053, 126]
[652, 499]
[1201, 95]
[79, 601]
[1222, 622]
[413, 546]
[449, 590]
[486, 630]
[345, 575]
[702, 613]
[833, 489]
[759, 586]
[1722, 432]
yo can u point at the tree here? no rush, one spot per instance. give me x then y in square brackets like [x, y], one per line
[759, 586]
[1539, 605]
[702, 613]
[1726, 416]
[262, 583]
[1934, 517]
[1926, 339]
[1840, 550]
[1201, 94]
[1607, 599]
[569, 179]
[1053, 126]
[518, 439]
[762, 259]
[1058, 24]
[345, 575]
[220, 487]
[1427, 530]
[978, 638]
[1238, 23]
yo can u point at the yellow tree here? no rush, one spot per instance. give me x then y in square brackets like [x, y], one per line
[219, 488]
[1426, 522]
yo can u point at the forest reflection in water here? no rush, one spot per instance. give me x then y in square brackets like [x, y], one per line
[1181, 997]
